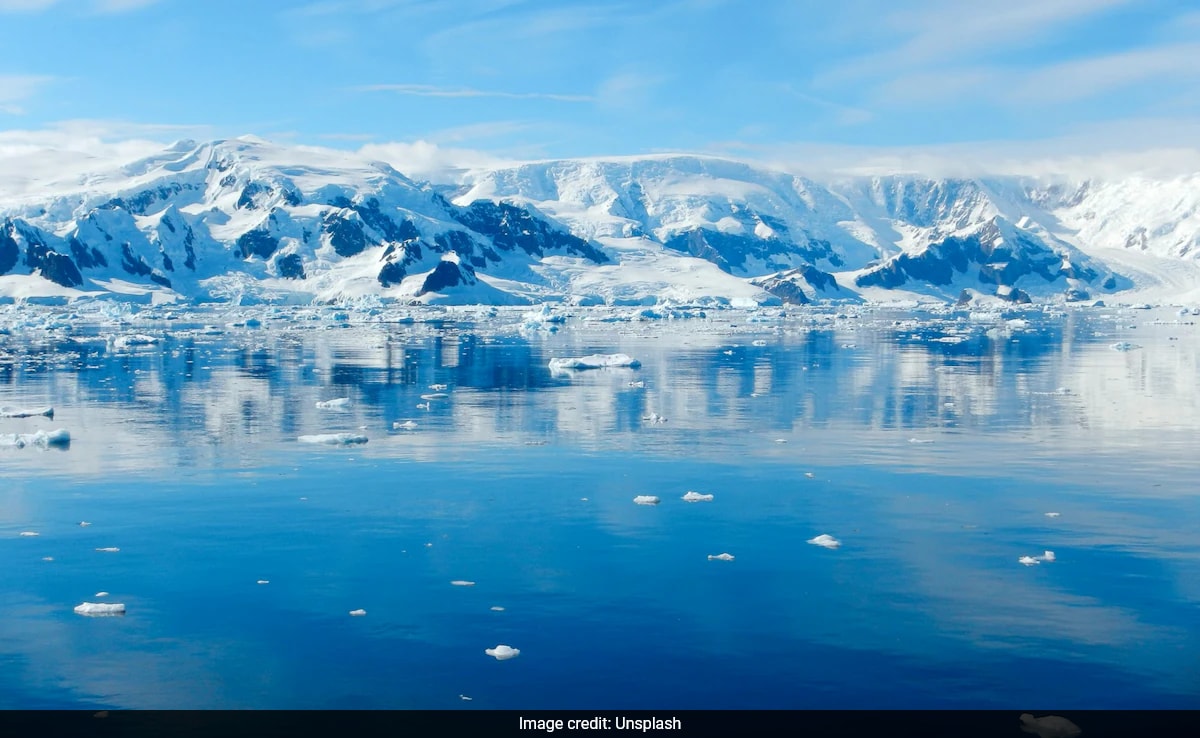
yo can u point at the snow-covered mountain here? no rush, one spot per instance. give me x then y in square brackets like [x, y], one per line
[248, 220]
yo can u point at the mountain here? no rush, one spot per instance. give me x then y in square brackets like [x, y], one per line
[248, 220]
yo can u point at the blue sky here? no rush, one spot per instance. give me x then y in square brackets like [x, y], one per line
[544, 78]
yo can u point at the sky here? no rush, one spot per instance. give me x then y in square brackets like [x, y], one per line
[529, 79]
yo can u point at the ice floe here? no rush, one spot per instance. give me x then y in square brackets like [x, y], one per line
[337, 404]
[1052, 514]
[437, 387]
[595, 361]
[263, 581]
[809, 475]
[100, 594]
[503, 652]
[133, 340]
[720, 557]
[334, 439]
[1035, 560]
[44, 439]
[358, 613]
[692, 496]
[406, 425]
[1124, 346]
[26, 412]
[825, 541]
[646, 500]
[84, 524]
[435, 396]
[1050, 726]
[110, 549]
[29, 534]
[496, 608]
[100, 608]
[462, 583]
[654, 418]
[920, 440]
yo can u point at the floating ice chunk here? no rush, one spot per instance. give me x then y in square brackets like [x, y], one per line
[920, 440]
[1050, 726]
[720, 557]
[358, 613]
[133, 340]
[435, 396]
[646, 500]
[100, 608]
[496, 608]
[728, 352]
[758, 342]
[1052, 514]
[502, 652]
[101, 594]
[595, 361]
[110, 549]
[780, 440]
[406, 425]
[26, 412]
[263, 581]
[29, 534]
[47, 558]
[53, 439]
[1124, 346]
[654, 418]
[1047, 556]
[337, 404]
[638, 385]
[825, 541]
[696, 497]
[809, 475]
[422, 405]
[334, 439]
[462, 583]
[1028, 561]
[437, 387]
[84, 524]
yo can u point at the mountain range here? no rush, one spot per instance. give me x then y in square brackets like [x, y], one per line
[250, 221]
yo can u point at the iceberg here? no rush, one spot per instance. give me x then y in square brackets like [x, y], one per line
[133, 340]
[503, 652]
[595, 361]
[337, 404]
[26, 412]
[696, 497]
[437, 387]
[825, 541]
[358, 613]
[29, 534]
[101, 594]
[1035, 560]
[654, 418]
[435, 396]
[720, 557]
[100, 608]
[406, 425]
[462, 583]
[646, 500]
[52, 439]
[110, 549]
[334, 439]
[1052, 514]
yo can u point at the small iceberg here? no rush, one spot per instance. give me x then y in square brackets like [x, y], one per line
[462, 583]
[920, 440]
[133, 340]
[809, 475]
[84, 524]
[406, 425]
[696, 497]
[825, 541]
[720, 557]
[654, 418]
[338, 404]
[1035, 560]
[334, 439]
[110, 549]
[437, 387]
[646, 500]
[358, 613]
[263, 581]
[1052, 514]
[100, 608]
[29, 534]
[638, 385]
[101, 594]
[1050, 726]
[595, 361]
[496, 608]
[435, 396]
[53, 439]
[26, 412]
[502, 652]
[1124, 346]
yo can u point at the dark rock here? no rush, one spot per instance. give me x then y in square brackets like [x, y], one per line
[445, 275]
[249, 193]
[290, 266]
[346, 235]
[134, 264]
[392, 273]
[56, 267]
[257, 243]
[511, 228]
[730, 251]
[9, 251]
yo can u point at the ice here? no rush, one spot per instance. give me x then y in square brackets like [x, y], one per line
[47, 558]
[595, 361]
[809, 475]
[406, 425]
[263, 581]
[654, 418]
[110, 549]
[101, 594]
[1028, 561]
[26, 412]
[502, 652]
[422, 405]
[29, 534]
[437, 387]
[133, 340]
[825, 541]
[646, 500]
[638, 385]
[691, 496]
[1052, 514]
[337, 404]
[496, 608]
[920, 440]
[1124, 346]
[334, 439]
[780, 440]
[721, 557]
[435, 396]
[84, 524]
[759, 342]
[100, 608]
[462, 583]
[44, 439]
[358, 613]
[1050, 726]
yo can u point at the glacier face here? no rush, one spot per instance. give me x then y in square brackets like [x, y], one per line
[247, 220]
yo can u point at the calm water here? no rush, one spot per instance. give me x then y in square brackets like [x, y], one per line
[932, 450]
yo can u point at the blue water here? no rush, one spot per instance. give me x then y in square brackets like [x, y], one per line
[933, 462]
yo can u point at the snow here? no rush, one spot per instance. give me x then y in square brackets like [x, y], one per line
[503, 652]
[825, 541]
[646, 500]
[21, 412]
[691, 496]
[594, 361]
[334, 439]
[100, 608]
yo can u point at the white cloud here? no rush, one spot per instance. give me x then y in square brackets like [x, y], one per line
[17, 88]
[426, 160]
[434, 91]
[1083, 78]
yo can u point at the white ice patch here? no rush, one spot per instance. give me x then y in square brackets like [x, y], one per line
[263, 581]
[503, 652]
[435, 396]
[100, 608]
[437, 387]
[110, 549]
[825, 541]
[654, 418]
[43, 439]
[406, 425]
[1052, 514]
[720, 557]
[337, 404]
[496, 608]
[133, 340]
[696, 497]
[29, 534]
[26, 412]
[1124, 346]
[646, 500]
[920, 440]
[101, 594]
[358, 613]
[334, 439]
[1034, 560]
[595, 361]
[462, 583]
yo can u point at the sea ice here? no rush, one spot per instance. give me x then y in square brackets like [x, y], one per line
[502, 652]
[53, 439]
[101, 594]
[133, 340]
[646, 500]
[334, 439]
[406, 425]
[920, 440]
[1052, 514]
[654, 418]
[358, 613]
[110, 549]
[435, 396]
[337, 404]
[100, 608]
[26, 412]
[29, 534]
[696, 497]
[825, 541]
[720, 557]
[1124, 346]
[595, 361]
[462, 583]
[437, 387]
